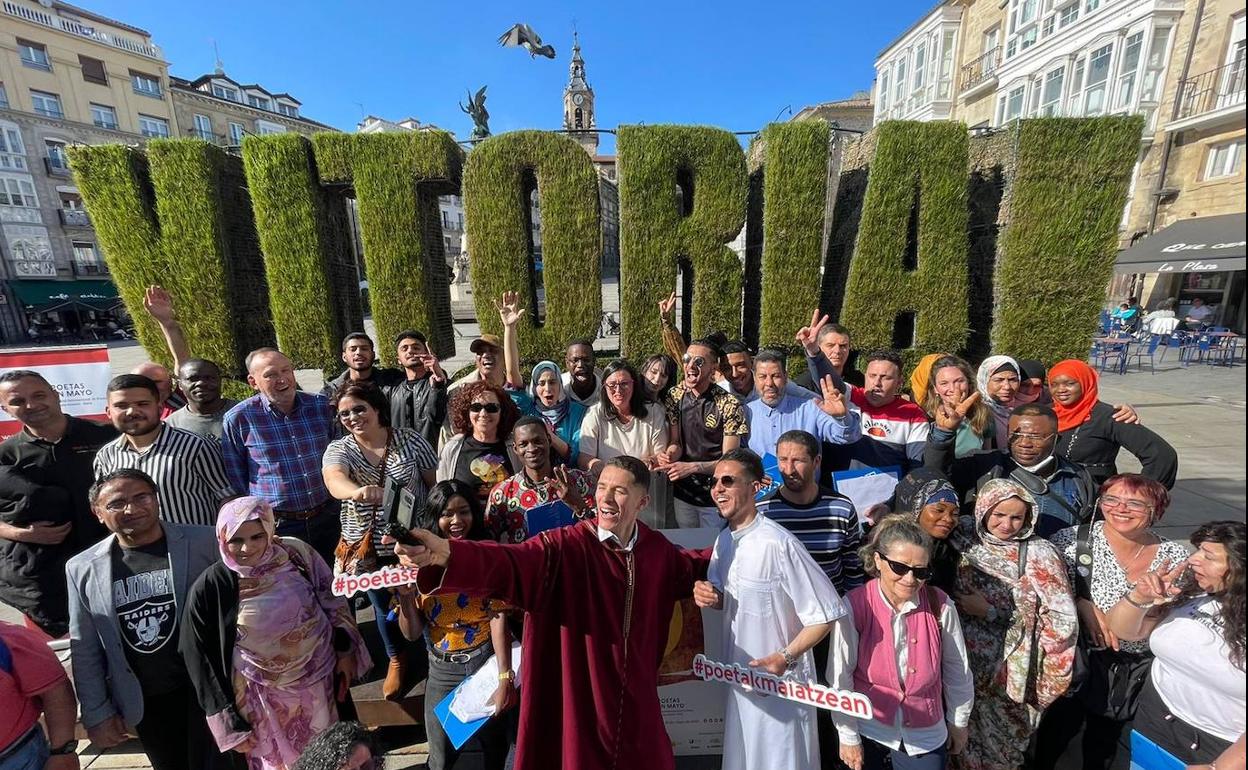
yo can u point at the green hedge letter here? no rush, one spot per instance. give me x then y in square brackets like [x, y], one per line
[654, 235]
[498, 179]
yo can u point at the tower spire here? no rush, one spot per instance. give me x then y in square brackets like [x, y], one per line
[578, 102]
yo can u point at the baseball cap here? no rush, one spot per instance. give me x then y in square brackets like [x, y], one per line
[485, 340]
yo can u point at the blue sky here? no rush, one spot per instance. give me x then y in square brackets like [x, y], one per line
[729, 63]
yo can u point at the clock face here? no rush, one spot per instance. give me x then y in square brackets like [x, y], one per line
[578, 100]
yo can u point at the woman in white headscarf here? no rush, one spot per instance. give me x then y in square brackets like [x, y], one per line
[998, 379]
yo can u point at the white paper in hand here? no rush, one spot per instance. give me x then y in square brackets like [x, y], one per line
[472, 700]
[867, 486]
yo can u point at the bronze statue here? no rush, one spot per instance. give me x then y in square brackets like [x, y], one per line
[480, 117]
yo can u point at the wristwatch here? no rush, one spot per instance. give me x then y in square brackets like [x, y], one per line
[789, 661]
[70, 747]
[507, 676]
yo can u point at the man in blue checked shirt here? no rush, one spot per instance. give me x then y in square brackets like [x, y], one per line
[273, 445]
[832, 418]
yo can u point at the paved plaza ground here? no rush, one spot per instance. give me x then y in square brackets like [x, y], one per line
[1199, 409]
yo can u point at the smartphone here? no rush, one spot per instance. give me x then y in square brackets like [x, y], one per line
[400, 513]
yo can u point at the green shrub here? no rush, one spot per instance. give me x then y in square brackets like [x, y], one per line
[654, 235]
[497, 179]
[307, 253]
[923, 165]
[1056, 252]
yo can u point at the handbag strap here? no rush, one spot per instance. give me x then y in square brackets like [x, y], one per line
[1022, 559]
[1083, 561]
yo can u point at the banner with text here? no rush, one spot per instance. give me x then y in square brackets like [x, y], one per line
[79, 374]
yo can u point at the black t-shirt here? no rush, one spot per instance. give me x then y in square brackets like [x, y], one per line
[67, 464]
[482, 465]
[147, 612]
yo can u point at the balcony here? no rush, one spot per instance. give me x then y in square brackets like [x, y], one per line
[36, 16]
[979, 75]
[74, 218]
[1210, 98]
[56, 166]
[85, 269]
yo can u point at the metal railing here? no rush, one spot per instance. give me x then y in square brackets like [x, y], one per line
[56, 166]
[74, 218]
[1212, 90]
[74, 27]
[979, 70]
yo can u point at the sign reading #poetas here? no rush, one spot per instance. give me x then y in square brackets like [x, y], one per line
[79, 374]
[812, 694]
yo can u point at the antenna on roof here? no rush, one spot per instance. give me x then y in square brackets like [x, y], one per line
[220, 68]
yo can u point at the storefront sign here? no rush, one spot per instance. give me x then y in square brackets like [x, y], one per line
[79, 374]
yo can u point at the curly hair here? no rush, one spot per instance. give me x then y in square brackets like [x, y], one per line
[463, 398]
[1231, 535]
[333, 747]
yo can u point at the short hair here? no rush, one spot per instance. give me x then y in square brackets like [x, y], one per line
[832, 328]
[253, 355]
[462, 398]
[526, 421]
[127, 381]
[752, 463]
[802, 439]
[709, 344]
[199, 362]
[771, 356]
[735, 346]
[357, 336]
[13, 375]
[370, 394]
[586, 341]
[332, 749]
[1034, 410]
[892, 530]
[635, 468]
[1151, 490]
[411, 334]
[891, 356]
[121, 474]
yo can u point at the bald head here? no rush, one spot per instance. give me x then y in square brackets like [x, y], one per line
[157, 374]
[272, 373]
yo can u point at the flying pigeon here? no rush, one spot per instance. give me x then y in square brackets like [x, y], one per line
[523, 35]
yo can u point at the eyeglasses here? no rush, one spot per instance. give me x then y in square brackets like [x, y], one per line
[900, 569]
[356, 410]
[697, 362]
[1134, 506]
[724, 481]
[488, 408]
[619, 387]
[1031, 438]
[141, 500]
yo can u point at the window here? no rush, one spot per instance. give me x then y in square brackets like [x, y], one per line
[920, 66]
[446, 245]
[1155, 64]
[1051, 100]
[1231, 87]
[203, 127]
[93, 70]
[289, 110]
[224, 92]
[33, 54]
[1098, 76]
[104, 116]
[56, 155]
[1011, 47]
[1068, 15]
[85, 254]
[263, 128]
[881, 97]
[992, 40]
[17, 191]
[236, 133]
[944, 79]
[4, 97]
[1028, 38]
[12, 151]
[446, 220]
[1127, 67]
[1225, 160]
[153, 128]
[147, 85]
[460, 220]
[1075, 100]
[1011, 106]
[899, 81]
[1091, 5]
[46, 104]
[1046, 29]
[259, 102]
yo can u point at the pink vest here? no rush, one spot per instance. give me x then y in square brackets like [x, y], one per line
[876, 676]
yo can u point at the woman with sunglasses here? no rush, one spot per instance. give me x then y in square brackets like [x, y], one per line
[1089, 435]
[356, 469]
[902, 647]
[460, 633]
[622, 423]
[1121, 548]
[1020, 624]
[478, 453]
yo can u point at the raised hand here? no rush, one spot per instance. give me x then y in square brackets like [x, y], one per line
[564, 488]
[509, 310]
[808, 336]
[1159, 586]
[949, 419]
[833, 402]
[666, 306]
[158, 304]
[706, 595]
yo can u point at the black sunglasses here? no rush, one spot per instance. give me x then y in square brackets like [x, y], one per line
[900, 569]
[357, 410]
[696, 362]
[489, 408]
[725, 481]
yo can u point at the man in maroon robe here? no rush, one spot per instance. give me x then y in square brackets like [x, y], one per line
[598, 597]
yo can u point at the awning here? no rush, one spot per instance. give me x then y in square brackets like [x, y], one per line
[1204, 244]
[50, 295]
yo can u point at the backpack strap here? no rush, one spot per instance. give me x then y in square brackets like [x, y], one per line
[1083, 561]
[1022, 558]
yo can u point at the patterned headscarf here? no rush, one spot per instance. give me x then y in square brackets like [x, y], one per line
[1000, 412]
[920, 488]
[235, 514]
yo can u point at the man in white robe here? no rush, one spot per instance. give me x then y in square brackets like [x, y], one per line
[778, 603]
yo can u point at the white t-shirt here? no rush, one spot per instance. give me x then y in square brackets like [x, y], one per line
[1193, 672]
[1200, 312]
[606, 438]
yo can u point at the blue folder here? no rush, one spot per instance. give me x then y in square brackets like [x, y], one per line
[771, 469]
[459, 732]
[1146, 755]
[546, 516]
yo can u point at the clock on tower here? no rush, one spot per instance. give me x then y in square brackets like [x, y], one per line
[578, 103]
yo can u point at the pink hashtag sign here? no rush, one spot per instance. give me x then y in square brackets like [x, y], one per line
[387, 577]
[812, 694]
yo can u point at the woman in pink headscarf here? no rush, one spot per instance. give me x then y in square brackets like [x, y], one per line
[270, 649]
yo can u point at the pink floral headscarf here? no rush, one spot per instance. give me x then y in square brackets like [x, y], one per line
[235, 514]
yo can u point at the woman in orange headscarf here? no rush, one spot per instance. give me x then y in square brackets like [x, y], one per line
[1088, 434]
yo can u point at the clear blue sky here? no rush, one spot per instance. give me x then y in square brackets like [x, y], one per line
[727, 63]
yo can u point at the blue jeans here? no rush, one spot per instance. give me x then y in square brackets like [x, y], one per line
[32, 755]
[388, 630]
[321, 531]
[873, 755]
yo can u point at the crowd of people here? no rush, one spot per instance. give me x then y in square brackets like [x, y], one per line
[1011, 605]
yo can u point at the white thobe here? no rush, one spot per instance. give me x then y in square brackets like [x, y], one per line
[772, 589]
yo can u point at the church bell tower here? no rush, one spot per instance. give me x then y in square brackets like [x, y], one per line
[578, 103]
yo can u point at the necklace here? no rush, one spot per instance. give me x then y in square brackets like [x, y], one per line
[1130, 564]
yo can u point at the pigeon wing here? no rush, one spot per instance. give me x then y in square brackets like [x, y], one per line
[513, 36]
[529, 35]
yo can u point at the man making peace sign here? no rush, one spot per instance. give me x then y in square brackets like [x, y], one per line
[536, 485]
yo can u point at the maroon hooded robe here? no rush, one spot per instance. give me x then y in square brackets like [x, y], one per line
[595, 629]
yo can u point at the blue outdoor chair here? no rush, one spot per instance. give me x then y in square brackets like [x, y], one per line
[1143, 351]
